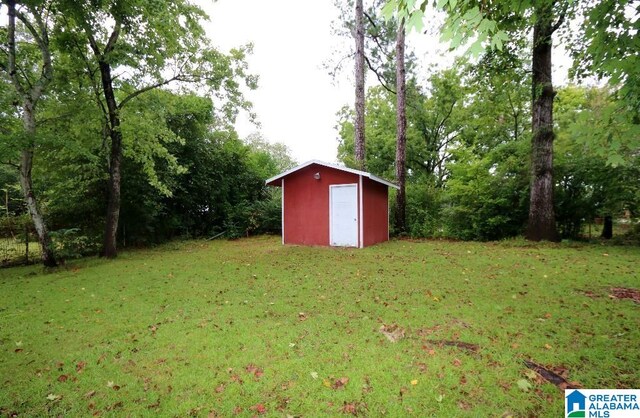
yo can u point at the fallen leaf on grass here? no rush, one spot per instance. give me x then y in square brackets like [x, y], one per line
[89, 394]
[349, 408]
[414, 382]
[393, 332]
[524, 385]
[254, 370]
[63, 378]
[302, 316]
[80, 366]
[220, 388]
[259, 408]
[547, 346]
[314, 375]
[340, 383]
[464, 406]
[116, 405]
[53, 397]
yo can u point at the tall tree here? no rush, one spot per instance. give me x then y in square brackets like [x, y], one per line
[490, 24]
[542, 218]
[30, 89]
[401, 131]
[159, 43]
[359, 70]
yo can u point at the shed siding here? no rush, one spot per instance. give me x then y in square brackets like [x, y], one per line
[306, 204]
[376, 215]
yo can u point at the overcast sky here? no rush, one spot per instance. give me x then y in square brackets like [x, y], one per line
[296, 101]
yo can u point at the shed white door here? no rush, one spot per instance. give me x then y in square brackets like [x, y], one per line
[343, 215]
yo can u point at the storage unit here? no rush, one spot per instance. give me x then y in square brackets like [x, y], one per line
[326, 204]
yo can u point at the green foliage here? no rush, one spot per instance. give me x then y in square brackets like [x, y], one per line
[607, 45]
[588, 184]
[70, 243]
[183, 174]
[424, 210]
[487, 197]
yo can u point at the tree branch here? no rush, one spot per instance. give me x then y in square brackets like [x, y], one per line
[41, 122]
[561, 18]
[147, 88]
[17, 166]
[11, 34]
[91, 72]
[446, 117]
[380, 78]
[42, 38]
[113, 38]
[375, 38]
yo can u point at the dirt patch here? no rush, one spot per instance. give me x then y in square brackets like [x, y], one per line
[393, 332]
[625, 293]
[556, 376]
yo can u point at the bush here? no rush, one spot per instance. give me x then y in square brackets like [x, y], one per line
[70, 243]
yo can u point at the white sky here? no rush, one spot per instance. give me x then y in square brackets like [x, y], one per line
[296, 100]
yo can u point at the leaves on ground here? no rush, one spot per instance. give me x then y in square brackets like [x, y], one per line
[393, 332]
[625, 293]
[256, 371]
[259, 409]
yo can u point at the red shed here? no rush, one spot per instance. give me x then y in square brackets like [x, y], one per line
[325, 204]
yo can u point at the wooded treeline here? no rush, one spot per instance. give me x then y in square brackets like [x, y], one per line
[116, 122]
[493, 149]
[116, 128]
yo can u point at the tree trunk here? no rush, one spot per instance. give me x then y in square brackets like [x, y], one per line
[26, 183]
[359, 125]
[110, 249]
[401, 132]
[607, 231]
[542, 224]
[29, 99]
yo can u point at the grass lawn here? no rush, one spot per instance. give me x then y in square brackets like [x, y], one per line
[250, 327]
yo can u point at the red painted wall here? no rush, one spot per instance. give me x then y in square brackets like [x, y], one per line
[306, 204]
[375, 208]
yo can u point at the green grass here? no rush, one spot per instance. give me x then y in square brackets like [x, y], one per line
[172, 331]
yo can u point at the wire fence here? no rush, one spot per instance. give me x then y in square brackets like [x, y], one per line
[18, 245]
